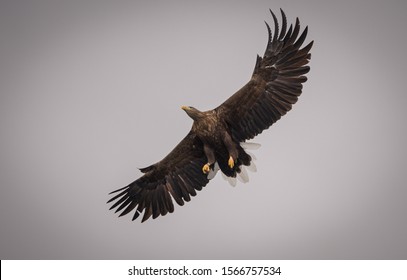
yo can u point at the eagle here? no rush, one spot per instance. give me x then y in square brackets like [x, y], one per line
[217, 138]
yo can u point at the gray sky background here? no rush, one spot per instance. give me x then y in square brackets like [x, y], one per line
[91, 90]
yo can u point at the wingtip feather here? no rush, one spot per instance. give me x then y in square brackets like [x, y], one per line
[284, 25]
[276, 27]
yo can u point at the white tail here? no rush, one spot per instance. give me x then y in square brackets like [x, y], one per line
[243, 175]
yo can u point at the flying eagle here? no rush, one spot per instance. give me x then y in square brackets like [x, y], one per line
[217, 136]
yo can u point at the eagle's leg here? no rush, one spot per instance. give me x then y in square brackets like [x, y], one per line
[232, 150]
[210, 155]
[231, 162]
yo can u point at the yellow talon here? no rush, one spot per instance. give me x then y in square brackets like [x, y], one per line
[231, 162]
[205, 169]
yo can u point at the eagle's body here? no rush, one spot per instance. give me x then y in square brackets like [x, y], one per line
[216, 135]
[212, 130]
[208, 127]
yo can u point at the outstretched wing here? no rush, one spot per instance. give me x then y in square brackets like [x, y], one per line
[177, 177]
[275, 85]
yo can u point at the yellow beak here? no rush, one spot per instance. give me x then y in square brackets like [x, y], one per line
[184, 108]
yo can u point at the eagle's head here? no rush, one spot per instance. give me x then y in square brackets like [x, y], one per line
[192, 112]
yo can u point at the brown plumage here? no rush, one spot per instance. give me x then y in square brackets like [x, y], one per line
[216, 135]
